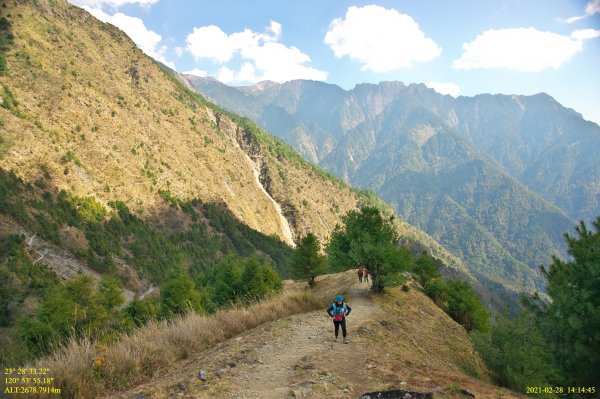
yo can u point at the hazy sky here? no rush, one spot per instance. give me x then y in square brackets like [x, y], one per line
[458, 47]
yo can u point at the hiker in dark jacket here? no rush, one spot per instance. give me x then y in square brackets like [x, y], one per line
[338, 312]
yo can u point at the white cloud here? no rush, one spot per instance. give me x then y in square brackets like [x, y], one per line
[445, 88]
[280, 63]
[525, 49]
[381, 39]
[196, 72]
[211, 42]
[247, 73]
[275, 28]
[225, 75]
[573, 19]
[584, 34]
[263, 56]
[147, 40]
[592, 8]
[112, 3]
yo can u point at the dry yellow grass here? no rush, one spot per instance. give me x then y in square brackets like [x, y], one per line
[86, 370]
[83, 87]
[399, 340]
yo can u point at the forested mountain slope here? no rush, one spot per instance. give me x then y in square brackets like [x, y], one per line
[497, 179]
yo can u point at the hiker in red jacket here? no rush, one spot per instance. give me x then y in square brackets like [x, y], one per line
[338, 312]
[365, 275]
[360, 275]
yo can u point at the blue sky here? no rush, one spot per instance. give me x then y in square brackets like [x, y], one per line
[459, 47]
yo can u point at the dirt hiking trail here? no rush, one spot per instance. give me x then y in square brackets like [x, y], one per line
[297, 342]
[397, 341]
[288, 358]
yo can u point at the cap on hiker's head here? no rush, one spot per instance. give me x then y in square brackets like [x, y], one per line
[339, 298]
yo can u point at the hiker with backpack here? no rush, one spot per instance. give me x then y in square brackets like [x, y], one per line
[365, 275]
[360, 275]
[338, 312]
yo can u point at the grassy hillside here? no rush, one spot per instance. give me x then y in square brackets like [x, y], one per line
[101, 119]
[45, 234]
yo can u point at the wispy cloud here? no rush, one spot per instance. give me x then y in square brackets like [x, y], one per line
[592, 8]
[524, 49]
[178, 51]
[381, 39]
[264, 57]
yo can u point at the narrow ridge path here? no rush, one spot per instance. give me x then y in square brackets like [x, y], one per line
[292, 357]
[302, 338]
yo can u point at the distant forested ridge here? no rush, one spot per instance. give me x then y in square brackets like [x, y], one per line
[497, 179]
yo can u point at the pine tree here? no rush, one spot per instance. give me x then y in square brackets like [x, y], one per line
[178, 295]
[307, 262]
[259, 279]
[517, 352]
[226, 279]
[571, 320]
[366, 240]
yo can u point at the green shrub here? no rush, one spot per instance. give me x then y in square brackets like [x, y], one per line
[242, 280]
[517, 353]
[141, 311]
[6, 40]
[459, 300]
[426, 268]
[76, 309]
[178, 295]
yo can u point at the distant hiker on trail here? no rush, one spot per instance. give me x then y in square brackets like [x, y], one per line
[366, 275]
[338, 312]
[360, 275]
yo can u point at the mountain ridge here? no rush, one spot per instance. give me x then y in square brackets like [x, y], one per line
[369, 113]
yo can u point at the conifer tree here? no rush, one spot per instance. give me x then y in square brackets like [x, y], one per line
[571, 320]
[366, 240]
[307, 262]
[178, 295]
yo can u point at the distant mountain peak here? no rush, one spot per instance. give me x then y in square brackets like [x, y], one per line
[262, 85]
